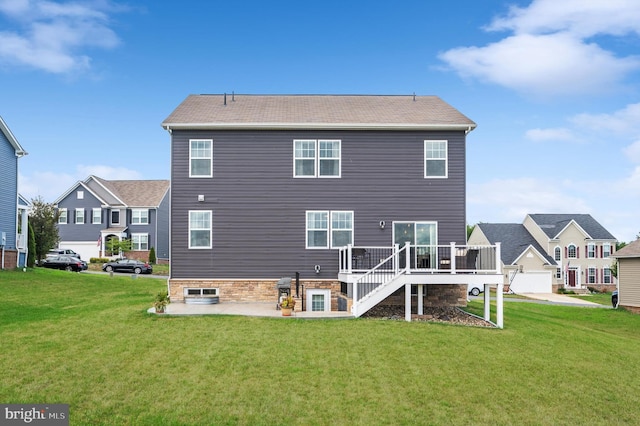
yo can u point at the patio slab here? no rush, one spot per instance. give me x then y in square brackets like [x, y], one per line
[245, 309]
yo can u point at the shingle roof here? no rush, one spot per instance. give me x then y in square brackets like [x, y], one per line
[552, 224]
[630, 250]
[137, 193]
[514, 239]
[316, 111]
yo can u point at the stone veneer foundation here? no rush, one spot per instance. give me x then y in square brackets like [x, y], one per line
[252, 290]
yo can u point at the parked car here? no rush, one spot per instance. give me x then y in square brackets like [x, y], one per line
[614, 298]
[64, 262]
[474, 290]
[128, 265]
[56, 252]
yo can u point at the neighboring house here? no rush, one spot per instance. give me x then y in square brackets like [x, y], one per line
[322, 188]
[13, 208]
[95, 210]
[628, 259]
[570, 251]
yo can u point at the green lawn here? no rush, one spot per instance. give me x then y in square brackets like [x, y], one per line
[87, 340]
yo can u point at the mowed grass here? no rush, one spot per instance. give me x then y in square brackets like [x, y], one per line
[87, 340]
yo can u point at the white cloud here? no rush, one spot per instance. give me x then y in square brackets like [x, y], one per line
[50, 36]
[50, 186]
[633, 154]
[549, 54]
[551, 135]
[623, 121]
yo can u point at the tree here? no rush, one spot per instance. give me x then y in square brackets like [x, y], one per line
[152, 255]
[115, 245]
[43, 219]
[31, 243]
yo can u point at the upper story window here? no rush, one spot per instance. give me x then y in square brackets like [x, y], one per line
[572, 251]
[139, 216]
[80, 195]
[96, 216]
[591, 250]
[435, 159]
[557, 254]
[79, 216]
[316, 158]
[200, 229]
[606, 250]
[329, 229]
[62, 216]
[200, 158]
[115, 217]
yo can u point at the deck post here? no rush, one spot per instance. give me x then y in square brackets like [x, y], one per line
[498, 259]
[407, 249]
[499, 303]
[452, 256]
[421, 288]
[487, 302]
[407, 302]
[349, 258]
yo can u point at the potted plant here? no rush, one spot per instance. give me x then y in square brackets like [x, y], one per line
[161, 302]
[286, 305]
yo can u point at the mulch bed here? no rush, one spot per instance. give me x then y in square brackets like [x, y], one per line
[441, 314]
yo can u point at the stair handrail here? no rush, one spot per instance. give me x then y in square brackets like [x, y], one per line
[396, 269]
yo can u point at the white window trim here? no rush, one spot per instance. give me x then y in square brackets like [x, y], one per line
[210, 229]
[133, 241]
[331, 213]
[111, 217]
[606, 254]
[446, 158]
[318, 291]
[210, 158]
[605, 276]
[557, 249]
[75, 217]
[316, 159]
[93, 216]
[575, 249]
[595, 275]
[137, 212]
[307, 229]
[80, 195]
[329, 228]
[590, 247]
[63, 214]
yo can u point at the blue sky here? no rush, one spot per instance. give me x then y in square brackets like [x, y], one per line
[554, 86]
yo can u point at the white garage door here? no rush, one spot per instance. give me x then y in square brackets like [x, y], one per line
[86, 250]
[532, 282]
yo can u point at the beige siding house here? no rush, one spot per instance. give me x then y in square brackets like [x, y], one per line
[629, 276]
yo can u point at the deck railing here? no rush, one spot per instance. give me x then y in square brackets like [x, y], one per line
[449, 259]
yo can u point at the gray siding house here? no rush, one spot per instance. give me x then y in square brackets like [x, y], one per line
[96, 210]
[628, 259]
[322, 188]
[13, 208]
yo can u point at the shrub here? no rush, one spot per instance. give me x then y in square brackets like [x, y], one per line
[98, 260]
[152, 255]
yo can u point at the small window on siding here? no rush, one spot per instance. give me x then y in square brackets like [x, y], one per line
[591, 250]
[80, 195]
[557, 254]
[62, 217]
[200, 229]
[606, 250]
[435, 159]
[96, 216]
[79, 216]
[139, 216]
[200, 158]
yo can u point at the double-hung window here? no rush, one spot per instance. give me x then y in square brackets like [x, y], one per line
[139, 216]
[317, 158]
[62, 216]
[435, 159]
[591, 250]
[591, 275]
[139, 242]
[96, 216]
[200, 229]
[606, 272]
[79, 216]
[329, 229]
[200, 158]
[606, 250]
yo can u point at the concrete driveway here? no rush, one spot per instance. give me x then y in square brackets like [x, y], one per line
[561, 299]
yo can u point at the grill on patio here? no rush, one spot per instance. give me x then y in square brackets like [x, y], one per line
[284, 290]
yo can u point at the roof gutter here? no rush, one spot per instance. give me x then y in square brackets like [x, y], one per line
[316, 126]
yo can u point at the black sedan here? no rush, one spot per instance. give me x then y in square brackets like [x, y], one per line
[64, 262]
[128, 265]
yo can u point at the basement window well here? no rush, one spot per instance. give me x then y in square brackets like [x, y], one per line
[201, 296]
